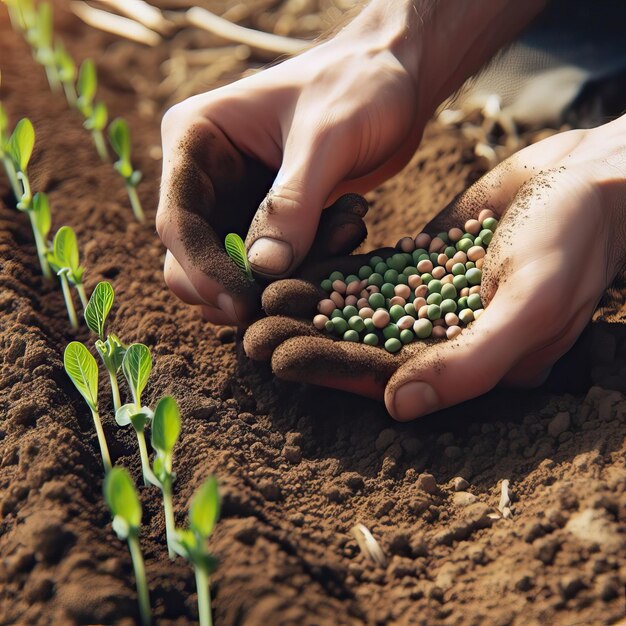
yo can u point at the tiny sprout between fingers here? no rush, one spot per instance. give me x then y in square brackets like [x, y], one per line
[121, 497]
[82, 369]
[236, 250]
[119, 136]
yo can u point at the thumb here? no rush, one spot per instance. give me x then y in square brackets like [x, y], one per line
[285, 224]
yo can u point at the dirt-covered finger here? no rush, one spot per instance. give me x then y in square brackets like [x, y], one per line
[265, 335]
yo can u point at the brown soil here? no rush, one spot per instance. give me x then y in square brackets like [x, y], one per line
[298, 466]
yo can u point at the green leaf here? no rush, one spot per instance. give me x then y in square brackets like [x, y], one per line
[137, 365]
[21, 143]
[98, 307]
[87, 82]
[99, 116]
[166, 425]
[121, 496]
[82, 368]
[128, 414]
[205, 508]
[65, 63]
[41, 214]
[236, 250]
[44, 25]
[66, 248]
[4, 125]
[119, 136]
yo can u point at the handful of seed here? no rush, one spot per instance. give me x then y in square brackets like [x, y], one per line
[429, 288]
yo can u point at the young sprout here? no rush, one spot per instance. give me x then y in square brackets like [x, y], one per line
[121, 496]
[67, 72]
[236, 250]
[95, 114]
[165, 432]
[20, 148]
[64, 260]
[191, 543]
[39, 35]
[119, 136]
[5, 155]
[19, 11]
[82, 368]
[111, 350]
[137, 365]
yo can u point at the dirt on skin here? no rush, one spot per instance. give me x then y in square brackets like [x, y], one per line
[298, 466]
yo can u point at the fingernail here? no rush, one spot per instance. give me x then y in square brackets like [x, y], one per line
[414, 400]
[225, 302]
[270, 256]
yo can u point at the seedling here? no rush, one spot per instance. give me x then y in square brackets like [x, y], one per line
[191, 543]
[82, 369]
[20, 147]
[20, 13]
[5, 155]
[67, 71]
[165, 432]
[236, 250]
[111, 350]
[121, 496]
[119, 136]
[137, 365]
[95, 114]
[39, 30]
[64, 260]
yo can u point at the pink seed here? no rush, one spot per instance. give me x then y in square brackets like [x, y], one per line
[480, 263]
[366, 312]
[354, 288]
[422, 312]
[418, 303]
[449, 265]
[414, 281]
[455, 234]
[421, 291]
[362, 303]
[339, 286]
[439, 272]
[319, 321]
[326, 307]
[372, 289]
[422, 241]
[439, 332]
[475, 253]
[484, 214]
[451, 319]
[406, 321]
[436, 244]
[442, 259]
[472, 227]
[424, 266]
[406, 244]
[448, 278]
[404, 291]
[337, 298]
[439, 322]
[381, 318]
[363, 283]
[453, 331]
[397, 300]
[351, 300]
[464, 292]
[460, 257]
[474, 289]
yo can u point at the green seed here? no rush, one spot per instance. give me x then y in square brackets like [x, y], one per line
[434, 258]
[474, 302]
[375, 279]
[406, 336]
[327, 285]
[336, 276]
[460, 281]
[478, 241]
[409, 309]
[462, 302]
[340, 326]
[352, 278]
[463, 245]
[371, 339]
[356, 323]
[490, 224]
[391, 276]
[369, 325]
[469, 236]
[469, 265]
[409, 270]
[434, 298]
[474, 276]
[376, 301]
[402, 279]
[434, 312]
[336, 314]
[448, 291]
[423, 328]
[458, 269]
[450, 251]
[397, 262]
[486, 236]
[365, 271]
[434, 286]
[426, 277]
[444, 237]
[375, 260]
[423, 257]
[393, 345]
[408, 258]
[351, 335]
[329, 326]
[381, 268]
[448, 306]
[466, 316]
[396, 312]
[387, 290]
[349, 311]
[391, 331]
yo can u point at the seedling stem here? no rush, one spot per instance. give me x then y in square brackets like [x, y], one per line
[82, 294]
[170, 525]
[101, 148]
[204, 599]
[135, 203]
[104, 448]
[41, 254]
[115, 390]
[140, 579]
[67, 295]
[145, 461]
[12, 176]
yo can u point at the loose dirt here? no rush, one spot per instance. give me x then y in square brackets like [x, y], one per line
[298, 466]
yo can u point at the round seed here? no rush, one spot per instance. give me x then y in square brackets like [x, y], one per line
[336, 313]
[340, 326]
[362, 303]
[418, 303]
[391, 331]
[478, 241]
[442, 259]
[391, 276]
[466, 316]
[319, 321]
[470, 265]
[426, 278]
[464, 292]
[409, 309]
[460, 257]
[474, 289]
[423, 328]
[336, 276]
[396, 311]
[351, 278]
[404, 291]
[490, 224]
[425, 266]
[381, 267]
[421, 291]
[406, 321]
[351, 335]
[462, 302]
[447, 279]
[449, 265]
[406, 336]
[486, 236]
[369, 325]
[351, 300]
[377, 300]
[474, 276]
[439, 272]
[397, 301]
[375, 279]
[422, 240]
[433, 256]
[434, 286]
[371, 339]
[439, 332]
[450, 251]
[434, 298]
[459, 282]
[393, 345]
[463, 245]
[458, 269]
[329, 327]
[414, 281]
[406, 244]
[448, 291]
[474, 302]
[436, 244]
[454, 234]
[485, 214]
[434, 312]
[366, 312]
[356, 323]
[339, 286]
[327, 285]
[448, 306]
[410, 270]
[354, 288]
[326, 307]
[451, 319]
[475, 253]
[422, 312]
[381, 318]
[370, 289]
[365, 271]
[472, 227]
[453, 331]
[349, 311]
[439, 322]
[375, 260]
[397, 262]
[388, 290]
[338, 299]
[480, 263]
[402, 279]
[469, 236]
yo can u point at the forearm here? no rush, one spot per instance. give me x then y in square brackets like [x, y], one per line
[441, 43]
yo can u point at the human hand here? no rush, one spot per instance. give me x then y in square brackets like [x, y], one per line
[560, 242]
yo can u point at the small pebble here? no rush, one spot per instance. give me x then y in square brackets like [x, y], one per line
[427, 483]
[319, 321]
[460, 484]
